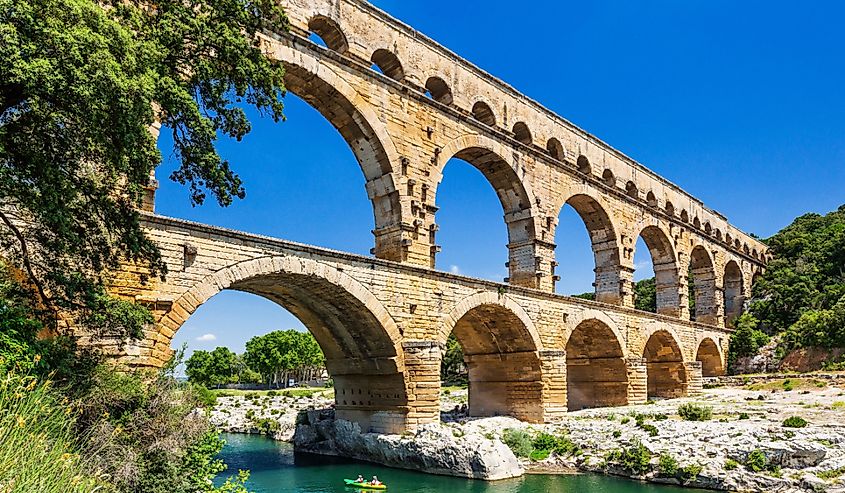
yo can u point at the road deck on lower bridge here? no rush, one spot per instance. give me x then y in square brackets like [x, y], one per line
[383, 327]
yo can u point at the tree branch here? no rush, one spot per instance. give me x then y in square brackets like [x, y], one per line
[25, 253]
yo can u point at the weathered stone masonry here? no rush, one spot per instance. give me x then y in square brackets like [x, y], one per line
[405, 106]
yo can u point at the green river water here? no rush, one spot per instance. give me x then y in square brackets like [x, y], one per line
[274, 469]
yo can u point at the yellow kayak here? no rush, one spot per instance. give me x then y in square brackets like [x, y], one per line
[365, 486]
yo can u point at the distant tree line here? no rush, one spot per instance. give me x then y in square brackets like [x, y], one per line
[273, 359]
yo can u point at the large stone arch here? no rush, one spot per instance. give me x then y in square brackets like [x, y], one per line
[502, 170]
[359, 338]
[316, 82]
[665, 265]
[501, 351]
[664, 358]
[711, 356]
[605, 243]
[596, 367]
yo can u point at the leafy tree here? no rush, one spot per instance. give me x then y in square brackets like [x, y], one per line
[81, 84]
[645, 295]
[586, 296]
[747, 339]
[282, 354]
[452, 368]
[212, 368]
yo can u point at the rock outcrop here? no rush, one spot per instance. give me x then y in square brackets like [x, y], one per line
[435, 448]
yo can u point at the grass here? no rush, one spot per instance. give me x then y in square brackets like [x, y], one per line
[37, 446]
[448, 389]
[787, 384]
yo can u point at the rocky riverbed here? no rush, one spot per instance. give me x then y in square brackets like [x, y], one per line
[742, 447]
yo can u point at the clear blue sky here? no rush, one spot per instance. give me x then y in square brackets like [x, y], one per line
[740, 103]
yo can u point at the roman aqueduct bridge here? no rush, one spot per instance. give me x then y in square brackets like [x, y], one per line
[406, 106]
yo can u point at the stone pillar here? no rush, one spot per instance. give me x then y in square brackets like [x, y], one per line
[531, 264]
[610, 280]
[637, 380]
[553, 366]
[695, 381]
[668, 290]
[422, 367]
[709, 305]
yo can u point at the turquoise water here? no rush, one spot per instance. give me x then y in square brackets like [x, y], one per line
[274, 469]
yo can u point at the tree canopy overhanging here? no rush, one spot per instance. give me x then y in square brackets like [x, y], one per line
[81, 85]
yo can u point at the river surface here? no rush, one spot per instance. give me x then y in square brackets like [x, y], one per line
[273, 468]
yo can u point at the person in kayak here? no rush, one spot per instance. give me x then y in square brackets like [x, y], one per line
[375, 481]
[360, 479]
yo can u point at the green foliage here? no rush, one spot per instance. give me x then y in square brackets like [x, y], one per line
[744, 416]
[731, 464]
[544, 441]
[518, 441]
[802, 292]
[205, 397]
[691, 472]
[695, 412]
[645, 295]
[283, 353]
[746, 340]
[794, 422]
[756, 461]
[831, 474]
[586, 296]
[38, 448]
[635, 458]
[265, 426]
[667, 466]
[453, 371]
[213, 368]
[537, 455]
[81, 83]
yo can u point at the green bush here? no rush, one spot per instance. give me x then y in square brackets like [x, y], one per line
[539, 455]
[625, 420]
[690, 472]
[206, 397]
[731, 464]
[744, 416]
[746, 340]
[756, 461]
[695, 412]
[266, 426]
[667, 466]
[794, 422]
[650, 429]
[617, 433]
[272, 393]
[636, 458]
[788, 385]
[544, 441]
[518, 441]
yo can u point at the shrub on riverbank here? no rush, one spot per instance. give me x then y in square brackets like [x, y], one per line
[635, 458]
[695, 412]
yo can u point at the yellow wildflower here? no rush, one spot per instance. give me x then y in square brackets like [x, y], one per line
[21, 422]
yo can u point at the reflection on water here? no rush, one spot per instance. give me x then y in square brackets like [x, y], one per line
[274, 468]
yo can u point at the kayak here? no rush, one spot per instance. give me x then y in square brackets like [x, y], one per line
[366, 486]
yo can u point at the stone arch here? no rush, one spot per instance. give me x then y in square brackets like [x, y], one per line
[359, 338]
[330, 32]
[696, 223]
[555, 149]
[604, 244]
[439, 90]
[500, 346]
[584, 165]
[665, 265]
[321, 87]
[514, 194]
[596, 369]
[665, 370]
[631, 190]
[734, 289]
[651, 199]
[710, 355]
[670, 209]
[482, 112]
[703, 273]
[684, 216]
[522, 133]
[388, 64]
[608, 178]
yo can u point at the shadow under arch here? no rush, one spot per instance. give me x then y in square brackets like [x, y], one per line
[514, 195]
[665, 370]
[310, 78]
[605, 246]
[360, 340]
[710, 356]
[596, 370]
[734, 292]
[703, 273]
[500, 346]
